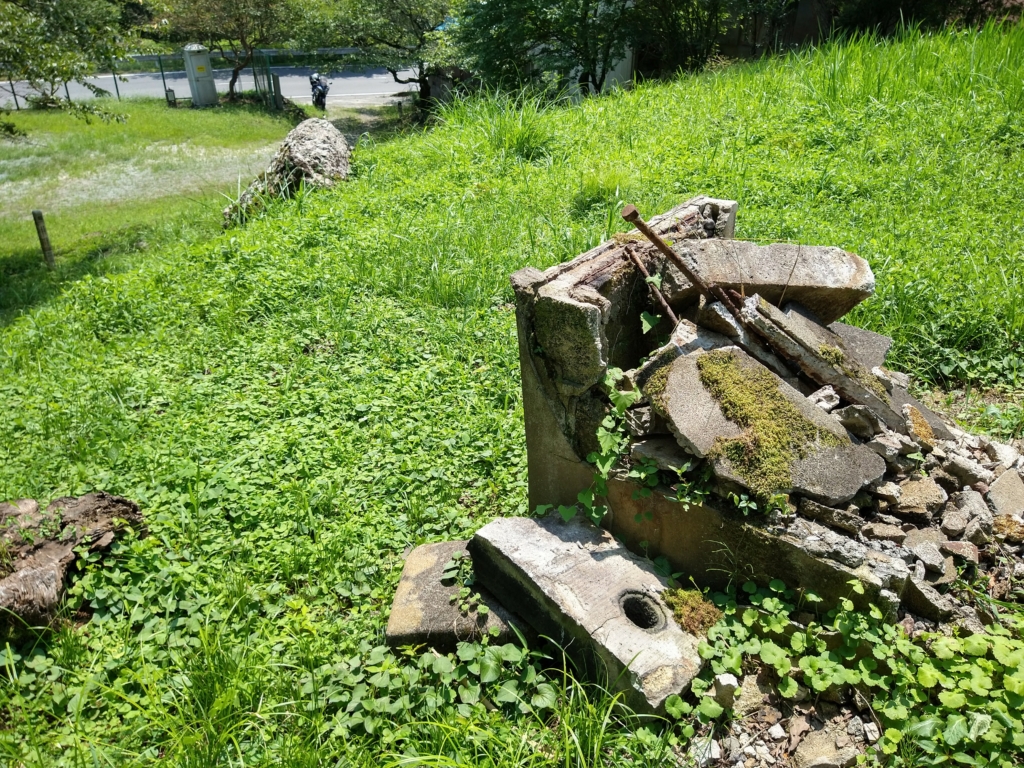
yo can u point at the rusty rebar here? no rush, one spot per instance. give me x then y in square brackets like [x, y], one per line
[655, 291]
[710, 290]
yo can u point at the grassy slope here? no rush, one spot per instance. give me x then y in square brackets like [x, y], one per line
[295, 403]
[110, 190]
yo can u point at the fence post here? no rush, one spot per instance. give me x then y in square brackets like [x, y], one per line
[278, 98]
[14, 93]
[44, 239]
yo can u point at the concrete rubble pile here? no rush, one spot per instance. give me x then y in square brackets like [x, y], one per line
[772, 401]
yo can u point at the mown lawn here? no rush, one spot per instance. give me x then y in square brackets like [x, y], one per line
[295, 403]
[113, 190]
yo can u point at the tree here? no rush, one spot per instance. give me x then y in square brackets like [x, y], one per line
[233, 28]
[674, 35]
[522, 40]
[49, 43]
[398, 35]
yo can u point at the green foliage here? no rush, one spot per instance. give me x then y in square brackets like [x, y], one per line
[945, 696]
[296, 402]
[511, 42]
[52, 42]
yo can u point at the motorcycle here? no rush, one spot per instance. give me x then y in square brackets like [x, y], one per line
[320, 88]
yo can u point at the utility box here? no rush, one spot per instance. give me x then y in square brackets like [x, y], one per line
[200, 75]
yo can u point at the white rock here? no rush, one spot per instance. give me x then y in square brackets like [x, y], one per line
[725, 690]
[871, 732]
[825, 398]
[1005, 454]
[777, 732]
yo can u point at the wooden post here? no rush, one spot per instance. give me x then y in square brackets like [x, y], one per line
[44, 239]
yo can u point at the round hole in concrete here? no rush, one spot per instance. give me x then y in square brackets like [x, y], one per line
[642, 610]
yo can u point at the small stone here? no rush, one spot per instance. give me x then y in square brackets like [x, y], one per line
[855, 728]
[883, 532]
[764, 755]
[704, 752]
[825, 398]
[965, 550]
[887, 445]
[1007, 494]
[777, 732]
[725, 690]
[1006, 455]
[859, 420]
[889, 492]
[1010, 528]
[871, 732]
[967, 470]
[921, 497]
[954, 521]
[976, 534]
[922, 599]
[848, 520]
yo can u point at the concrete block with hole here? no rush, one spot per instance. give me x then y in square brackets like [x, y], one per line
[576, 584]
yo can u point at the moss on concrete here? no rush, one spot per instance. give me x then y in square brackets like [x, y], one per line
[920, 427]
[691, 610]
[655, 386]
[775, 433]
[834, 355]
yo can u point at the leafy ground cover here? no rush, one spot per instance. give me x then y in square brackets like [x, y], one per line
[295, 403]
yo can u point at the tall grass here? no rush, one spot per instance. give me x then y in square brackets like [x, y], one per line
[295, 403]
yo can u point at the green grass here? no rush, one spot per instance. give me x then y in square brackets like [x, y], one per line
[295, 403]
[111, 190]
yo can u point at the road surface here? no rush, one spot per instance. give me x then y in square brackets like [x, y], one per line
[362, 88]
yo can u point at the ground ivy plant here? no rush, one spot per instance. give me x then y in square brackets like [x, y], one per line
[938, 699]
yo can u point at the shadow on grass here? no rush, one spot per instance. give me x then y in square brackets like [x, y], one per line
[25, 281]
[382, 123]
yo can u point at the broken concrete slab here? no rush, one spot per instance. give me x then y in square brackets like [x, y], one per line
[919, 498]
[859, 420]
[424, 611]
[967, 470]
[665, 452]
[691, 412]
[695, 416]
[575, 583]
[717, 318]
[828, 281]
[901, 398]
[821, 355]
[848, 519]
[954, 521]
[884, 532]
[682, 532]
[962, 549]
[922, 599]
[1006, 494]
[868, 347]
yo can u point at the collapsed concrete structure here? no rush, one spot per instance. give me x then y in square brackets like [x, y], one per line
[769, 400]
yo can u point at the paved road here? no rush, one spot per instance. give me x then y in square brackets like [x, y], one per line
[368, 87]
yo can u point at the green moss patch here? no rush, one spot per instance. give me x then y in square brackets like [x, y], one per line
[775, 433]
[834, 355]
[691, 610]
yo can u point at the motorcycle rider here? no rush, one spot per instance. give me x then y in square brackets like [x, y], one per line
[320, 88]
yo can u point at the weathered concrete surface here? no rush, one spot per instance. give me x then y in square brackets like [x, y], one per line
[831, 474]
[803, 341]
[707, 543]
[576, 584]
[423, 612]
[601, 297]
[1007, 494]
[868, 347]
[848, 520]
[828, 281]
[692, 414]
[919, 499]
[40, 549]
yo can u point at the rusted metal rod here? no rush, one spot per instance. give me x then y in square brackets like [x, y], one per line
[655, 292]
[630, 214]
